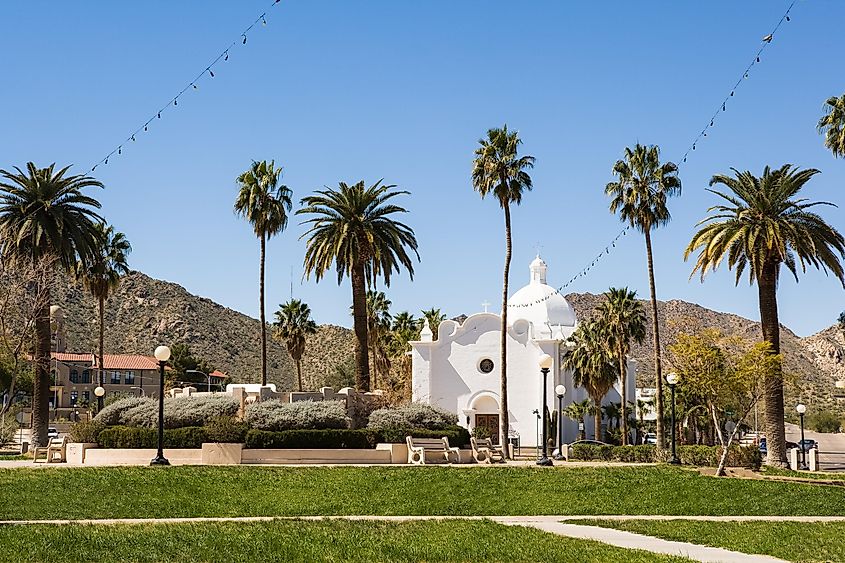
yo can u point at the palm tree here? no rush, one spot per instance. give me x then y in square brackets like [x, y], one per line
[832, 125]
[293, 325]
[498, 170]
[577, 411]
[352, 231]
[763, 226]
[405, 328]
[434, 318]
[639, 197]
[102, 276]
[841, 322]
[378, 325]
[44, 214]
[624, 321]
[591, 363]
[265, 204]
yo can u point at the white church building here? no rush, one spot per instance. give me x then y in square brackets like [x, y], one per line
[459, 369]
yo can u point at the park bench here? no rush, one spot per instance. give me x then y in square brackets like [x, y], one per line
[54, 451]
[483, 449]
[418, 447]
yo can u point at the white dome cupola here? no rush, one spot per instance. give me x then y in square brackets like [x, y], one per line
[542, 305]
[538, 270]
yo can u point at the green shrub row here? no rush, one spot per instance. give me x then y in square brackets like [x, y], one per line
[140, 437]
[458, 436]
[702, 456]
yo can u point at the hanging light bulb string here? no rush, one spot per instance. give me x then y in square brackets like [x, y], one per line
[207, 73]
[767, 40]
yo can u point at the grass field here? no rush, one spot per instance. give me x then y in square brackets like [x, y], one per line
[824, 476]
[456, 540]
[145, 492]
[793, 541]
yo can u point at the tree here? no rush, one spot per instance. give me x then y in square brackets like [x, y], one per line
[591, 362]
[378, 325]
[434, 318]
[352, 230]
[45, 215]
[832, 125]
[182, 362]
[265, 204]
[102, 275]
[405, 328]
[624, 320]
[762, 227]
[293, 325]
[577, 411]
[639, 197]
[498, 170]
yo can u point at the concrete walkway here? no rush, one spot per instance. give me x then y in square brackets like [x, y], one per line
[551, 524]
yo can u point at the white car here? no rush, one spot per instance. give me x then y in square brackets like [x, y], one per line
[52, 433]
[651, 438]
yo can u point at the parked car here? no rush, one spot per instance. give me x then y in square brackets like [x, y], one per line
[808, 445]
[764, 450]
[52, 433]
[650, 438]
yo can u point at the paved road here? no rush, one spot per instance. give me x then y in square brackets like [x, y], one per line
[831, 447]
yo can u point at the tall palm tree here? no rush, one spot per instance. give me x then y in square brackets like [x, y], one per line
[405, 328]
[352, 230]
[378, 325]
[293, 325]
[577, 411]
[265, 204]
[43, 213]
[832, 125]
[102, 276]
[639, 197]
[591, 363]
[624, 321]
[498, 170]
[762, 227]
[434, 318]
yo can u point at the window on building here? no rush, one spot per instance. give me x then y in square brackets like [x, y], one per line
[86, 376]
[74, 376]
[86, 397]
[129, 378]
[115, 378]
[74, 398]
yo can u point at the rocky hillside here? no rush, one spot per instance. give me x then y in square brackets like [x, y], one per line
[144, 312]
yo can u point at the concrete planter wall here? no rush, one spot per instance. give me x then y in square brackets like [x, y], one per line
[76, 452]
[221, 454]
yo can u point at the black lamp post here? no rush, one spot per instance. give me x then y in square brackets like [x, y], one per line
[162, 354]
[672, 379]
[801, 408]
[546, 362]
[560, 391]
[99, 392]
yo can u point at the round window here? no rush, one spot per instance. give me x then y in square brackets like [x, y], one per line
[486, 365]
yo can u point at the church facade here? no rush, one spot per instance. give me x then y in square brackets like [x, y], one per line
[459, 369]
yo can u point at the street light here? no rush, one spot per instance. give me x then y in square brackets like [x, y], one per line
[545, 362]
[560, 391]
[99, 392]
[162, 354]
[802, 408]
[208, 377]
[672, 379]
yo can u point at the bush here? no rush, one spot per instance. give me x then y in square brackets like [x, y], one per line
[226, 429]
[140, 437]
[412, 415]
[629, 454]
[824, 421]
[275, 415]
[703, 456]
[86, 432]
[305, 439]
[708, 456]
[457, 435]
[179, 412]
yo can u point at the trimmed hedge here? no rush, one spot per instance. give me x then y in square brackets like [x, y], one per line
[458, 435]
[702, 456]
[274, 415]
[179, 412]
[345, 438]
[412, 415]
[140, 437]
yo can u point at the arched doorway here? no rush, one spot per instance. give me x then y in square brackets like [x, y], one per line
[486, 415]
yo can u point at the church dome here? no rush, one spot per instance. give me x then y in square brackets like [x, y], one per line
[539, 303]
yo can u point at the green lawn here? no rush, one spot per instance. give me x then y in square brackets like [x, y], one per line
[825, 476]
[461, 540]
[794, 541]
[144, 492]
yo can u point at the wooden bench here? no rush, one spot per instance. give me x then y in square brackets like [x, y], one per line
[417, 448]
[483, 449]
[54, 451]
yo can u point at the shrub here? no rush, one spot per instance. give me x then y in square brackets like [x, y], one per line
[304, 439]
[140, 437]
[824, 421]
[703, 456]
[226, 429]
[708, 456]
[412, 415]
[457, 435]
[86, 432]
[179, 412]
[112, 412]
[274, 415]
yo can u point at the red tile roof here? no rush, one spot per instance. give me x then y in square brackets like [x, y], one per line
[114, 361]
[75, 358]
[218, 373]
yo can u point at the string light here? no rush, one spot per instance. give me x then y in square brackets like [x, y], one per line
[192, 85]
[766, 42]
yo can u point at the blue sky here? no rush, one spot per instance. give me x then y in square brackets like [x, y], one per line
[338, 90]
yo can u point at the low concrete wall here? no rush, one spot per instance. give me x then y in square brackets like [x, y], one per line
[76, 452]
[221, 454]
[118, 456]
[303, 456]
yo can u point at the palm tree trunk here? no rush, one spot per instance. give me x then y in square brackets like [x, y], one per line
[624, 405]
[299, 372]
[504, 423]
[261, 315]
[773, 386]
[101, 372]
[658, 372]
[359, 313]
[41, 390]
[597, 420]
